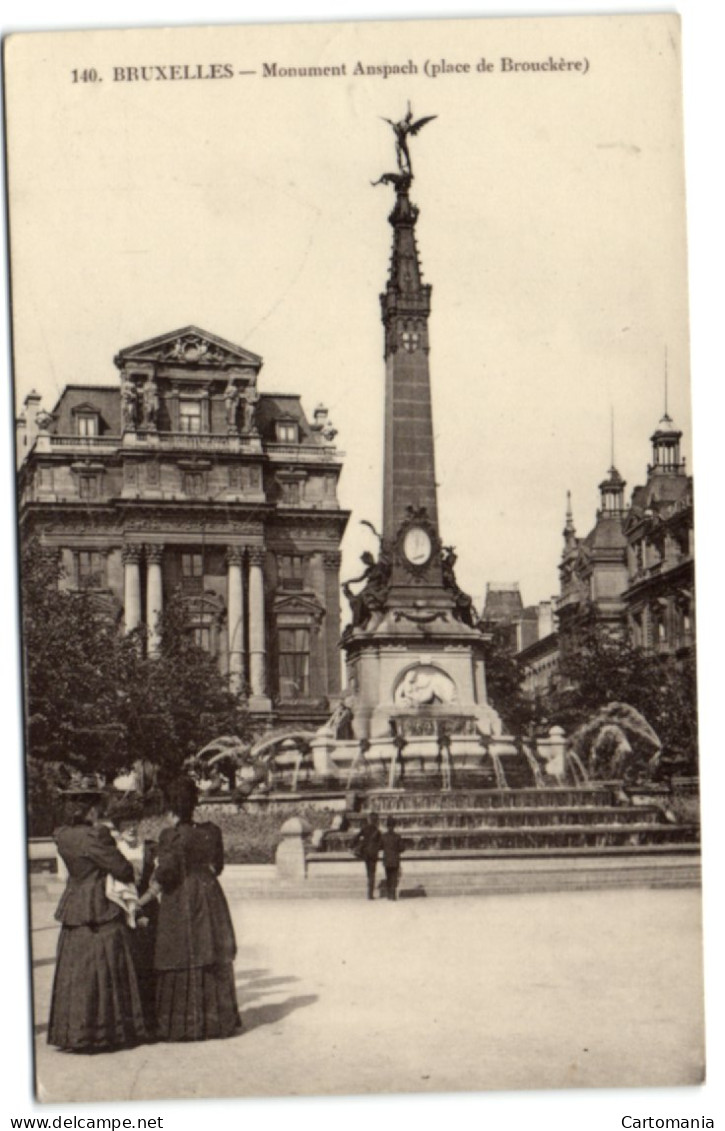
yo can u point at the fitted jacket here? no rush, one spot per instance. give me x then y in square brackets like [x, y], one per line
[194, 925]
[368, 842]
[90, 854]
[393, 847]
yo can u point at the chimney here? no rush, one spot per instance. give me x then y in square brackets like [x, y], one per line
[27, 425]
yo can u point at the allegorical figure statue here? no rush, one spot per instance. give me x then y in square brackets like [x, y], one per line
[372, 597]
[231, 403]
[404, 129]
[129, 403]
[463, 611]
[150, 402]
[249, 411]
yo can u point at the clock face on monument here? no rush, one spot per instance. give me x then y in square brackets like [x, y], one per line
[417, 546]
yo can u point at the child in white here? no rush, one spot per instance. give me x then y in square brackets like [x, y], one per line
[125, 895]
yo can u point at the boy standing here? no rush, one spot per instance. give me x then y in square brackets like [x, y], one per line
[366, 846]
[393, 847]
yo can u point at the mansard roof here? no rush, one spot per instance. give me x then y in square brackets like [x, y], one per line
[503, 602]
[607, 534]
[283, 406]
[663, 492]
[103, 399]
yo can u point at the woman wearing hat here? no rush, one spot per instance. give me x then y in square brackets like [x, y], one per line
[96, 1004]
[195, 944]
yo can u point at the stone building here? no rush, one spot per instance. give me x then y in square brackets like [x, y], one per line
[505, 615]
[660, 594]
[184, 478]
[635, 568]
[593, 569]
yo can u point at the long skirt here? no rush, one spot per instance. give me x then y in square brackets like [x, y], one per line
[96, 1003]
[196, 1004]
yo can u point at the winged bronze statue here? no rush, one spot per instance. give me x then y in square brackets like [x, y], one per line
[403, 129]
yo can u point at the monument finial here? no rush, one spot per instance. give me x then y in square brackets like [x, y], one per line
[403, 129]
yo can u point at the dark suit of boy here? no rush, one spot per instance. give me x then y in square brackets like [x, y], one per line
[367, 845]
[393, 847]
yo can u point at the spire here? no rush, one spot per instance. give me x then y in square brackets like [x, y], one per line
[611, 413]
[409, 469]
[666, 414]
[665, 440]
[405, 296]
[569, 532]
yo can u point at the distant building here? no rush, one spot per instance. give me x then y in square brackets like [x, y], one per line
[505, 615]
[634, 570]
[660, 594]
[184, 479]
[593, 569]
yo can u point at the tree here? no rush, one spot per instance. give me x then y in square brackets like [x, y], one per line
[504, 679]
[174, 703]
[94, 702]
[71, 671]
[599, 666]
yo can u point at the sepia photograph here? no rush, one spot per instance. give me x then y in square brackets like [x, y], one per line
[354, 511]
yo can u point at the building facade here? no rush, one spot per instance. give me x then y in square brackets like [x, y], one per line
[660, 593]
[634, 570]
[186, 480]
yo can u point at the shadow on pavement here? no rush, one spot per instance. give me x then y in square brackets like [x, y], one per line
[251, 990]
[270, 1014]
[417, 892]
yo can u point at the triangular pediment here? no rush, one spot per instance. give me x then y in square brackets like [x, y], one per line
[189, 347]
[84, 406]
[298, 605]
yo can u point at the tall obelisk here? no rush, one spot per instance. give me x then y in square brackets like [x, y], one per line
[412, 650]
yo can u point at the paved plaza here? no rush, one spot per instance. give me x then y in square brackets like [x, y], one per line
[593, 989]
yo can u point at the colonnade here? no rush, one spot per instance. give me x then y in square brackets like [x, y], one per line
[135, 556]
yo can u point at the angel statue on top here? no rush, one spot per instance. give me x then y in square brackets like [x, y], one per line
[403, 129]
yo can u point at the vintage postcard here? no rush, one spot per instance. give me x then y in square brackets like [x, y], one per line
[357, 559]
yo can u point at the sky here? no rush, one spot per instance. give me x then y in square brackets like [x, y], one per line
[86, 314]
[552, 229]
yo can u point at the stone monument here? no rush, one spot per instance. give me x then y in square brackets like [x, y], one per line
[414, 658]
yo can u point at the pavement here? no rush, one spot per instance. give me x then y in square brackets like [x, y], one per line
[472, 993]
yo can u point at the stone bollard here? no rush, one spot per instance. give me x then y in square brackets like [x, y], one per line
[290, 856]
[553, 750]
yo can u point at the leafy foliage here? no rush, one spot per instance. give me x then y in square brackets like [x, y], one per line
[94, 702]
[503, 684]
[598, 667]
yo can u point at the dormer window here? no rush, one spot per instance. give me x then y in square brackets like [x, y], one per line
[87, 424]
[287, 432]
[190, 416]
[86, 420]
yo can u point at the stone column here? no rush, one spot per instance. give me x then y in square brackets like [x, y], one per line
[331, 628]
[257, 644]
[154, 597]
[235, 618]
[131, 587]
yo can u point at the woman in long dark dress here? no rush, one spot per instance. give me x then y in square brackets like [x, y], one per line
[141, 854]
[96, 1004]
[195, 944]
